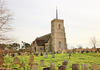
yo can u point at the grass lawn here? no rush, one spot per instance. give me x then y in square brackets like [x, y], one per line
[85, 58]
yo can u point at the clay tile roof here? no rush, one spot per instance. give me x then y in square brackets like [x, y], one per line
[43, 39]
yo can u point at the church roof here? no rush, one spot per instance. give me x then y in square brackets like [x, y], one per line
[43, 39]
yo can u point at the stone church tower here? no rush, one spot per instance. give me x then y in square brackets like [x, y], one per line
[58, 34]
[54, 41]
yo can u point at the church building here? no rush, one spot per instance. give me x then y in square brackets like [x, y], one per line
[54, 41]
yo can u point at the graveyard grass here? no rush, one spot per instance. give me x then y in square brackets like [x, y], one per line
[85, 58]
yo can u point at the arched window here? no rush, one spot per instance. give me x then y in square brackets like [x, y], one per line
[59, 44]
[59, 26]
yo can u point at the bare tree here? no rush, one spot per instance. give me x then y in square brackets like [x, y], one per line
[5, 20]
[93, 41]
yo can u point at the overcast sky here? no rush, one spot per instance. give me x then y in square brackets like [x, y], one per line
[32, 18]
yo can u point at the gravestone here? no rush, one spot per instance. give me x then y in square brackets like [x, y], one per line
[48, 68]
[12, 55]
[7, 55]
[75, 67]
[85, 66]
[42, 63]
[22, 64]
[34, 66]
[41, 54]
[53, 66]
[46, 55]
[65, 63]
[63, 67]
[49, 52]
[91, 51]
[31, 59]
[57, 52]
[95, 67]
[1, 60]
[95, 51]
[36, 54]
[74, 51]
[82, 52]
[87, 51]
[53, 55]
[19, 53]
[16, 60]
[62, 51]
[69, 54]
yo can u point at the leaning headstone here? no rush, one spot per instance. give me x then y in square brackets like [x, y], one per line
[63, 67]
[42, 63]
[16, 60]
[65, 63]
[34, 66]
[53, 66]
[46, 55]
[85, 66]
[75, 67]
[53, 55]
[1, 60]
[31, 59]
[48, 68]
[95, 67]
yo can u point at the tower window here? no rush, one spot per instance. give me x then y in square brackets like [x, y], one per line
[59, 44]
[59, 26]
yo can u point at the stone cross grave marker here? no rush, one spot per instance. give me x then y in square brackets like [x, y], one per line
[75, 67]
[95, 67]
[1, 60]
[16, 60]
[85, 66]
